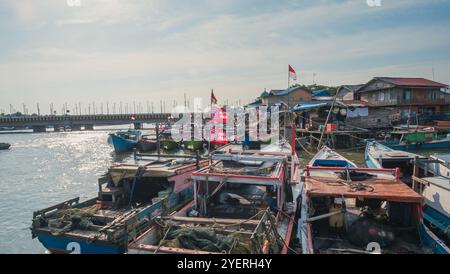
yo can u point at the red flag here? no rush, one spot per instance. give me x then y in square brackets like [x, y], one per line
[292, 73]
[213, 98]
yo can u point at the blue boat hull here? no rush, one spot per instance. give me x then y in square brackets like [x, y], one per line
[431, 145]
[65, 244]
[61, 244]
[430, 241]
[122, 145]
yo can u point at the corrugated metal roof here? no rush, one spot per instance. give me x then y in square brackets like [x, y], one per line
[411, 82]
[279, 92]
[321, 93]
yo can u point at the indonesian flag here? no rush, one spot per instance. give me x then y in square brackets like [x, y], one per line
[292, 73]
[213, 98]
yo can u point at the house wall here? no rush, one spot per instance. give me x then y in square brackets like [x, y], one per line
[348, 97]
[345, 94]
[404, 97]
[378, 118]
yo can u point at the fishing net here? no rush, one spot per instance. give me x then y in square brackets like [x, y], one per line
[206, 239]
[71, 218]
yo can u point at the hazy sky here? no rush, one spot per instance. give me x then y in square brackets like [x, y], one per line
[152, 50]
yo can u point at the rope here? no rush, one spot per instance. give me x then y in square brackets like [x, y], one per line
[238, 223]
[277, 235]
[162, 240]
[304, 149]
[354, 186]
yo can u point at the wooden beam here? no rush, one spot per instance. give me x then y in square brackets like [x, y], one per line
[212, 220]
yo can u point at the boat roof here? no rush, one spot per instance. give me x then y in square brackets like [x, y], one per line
[157, 168]
[378, 150]
[281, 148]
[322, 182]
[245, 167]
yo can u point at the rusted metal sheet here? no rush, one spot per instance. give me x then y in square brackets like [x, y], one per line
[389, 190]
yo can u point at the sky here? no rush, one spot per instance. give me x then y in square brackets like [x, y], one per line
[55, 51]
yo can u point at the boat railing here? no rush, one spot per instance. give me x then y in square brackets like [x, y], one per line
[66, 204]
[161, 208]
[393, 171]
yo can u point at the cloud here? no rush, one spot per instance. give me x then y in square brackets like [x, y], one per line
[147, 50]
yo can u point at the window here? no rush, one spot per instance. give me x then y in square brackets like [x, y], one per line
[407, 94]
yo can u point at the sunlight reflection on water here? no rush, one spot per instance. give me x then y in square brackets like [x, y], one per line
[41, 170]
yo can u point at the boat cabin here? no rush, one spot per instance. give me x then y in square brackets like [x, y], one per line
[381, 156]
[413, 134]
[129, 196]
[357, 210]
[244, 202]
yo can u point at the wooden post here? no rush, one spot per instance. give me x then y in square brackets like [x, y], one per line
[326, 122]
[293, 136]
[158, 143]
[415, 172]
[194, 183]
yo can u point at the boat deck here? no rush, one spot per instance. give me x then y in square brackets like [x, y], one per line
[381, 186]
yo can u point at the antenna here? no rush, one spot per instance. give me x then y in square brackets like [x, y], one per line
[432, 69]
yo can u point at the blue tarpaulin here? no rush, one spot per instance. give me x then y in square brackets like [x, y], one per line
[310, 105]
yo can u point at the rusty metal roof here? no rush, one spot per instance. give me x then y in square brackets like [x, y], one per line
[411, 82]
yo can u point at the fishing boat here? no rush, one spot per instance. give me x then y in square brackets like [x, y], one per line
[244, 203]
[4, 146]
[344, 209]
[124, 141]
[380, 156]
[146, 144]
[326, 157]
[416, 138]
[193, 145]
[441, 165]
[166, 141]
[432, 179]
[129, 196]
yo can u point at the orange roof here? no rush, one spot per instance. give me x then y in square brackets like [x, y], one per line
[388, 190]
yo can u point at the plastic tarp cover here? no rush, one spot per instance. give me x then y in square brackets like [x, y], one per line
[358, 112]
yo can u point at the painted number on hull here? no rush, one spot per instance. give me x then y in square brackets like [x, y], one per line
[74, 248]
[374, 248]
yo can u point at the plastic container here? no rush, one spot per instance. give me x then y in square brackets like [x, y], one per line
[331, 127]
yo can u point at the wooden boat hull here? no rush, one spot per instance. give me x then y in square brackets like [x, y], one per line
[430, 241]
[85, 245]
[384, 187]
[376, 154]
[327, 157]
[66, 245]
[418, 146]
[146, 145]
[4, 146]
[122, 145]
[243, 219]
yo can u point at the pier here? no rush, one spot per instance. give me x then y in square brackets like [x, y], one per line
[76, 122]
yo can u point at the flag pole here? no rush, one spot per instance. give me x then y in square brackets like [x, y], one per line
[289, 78]
[210, 117]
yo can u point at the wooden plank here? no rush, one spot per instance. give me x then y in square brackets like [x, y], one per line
[211, 220]
[57, 206]
[170, 250]
[421, 181]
